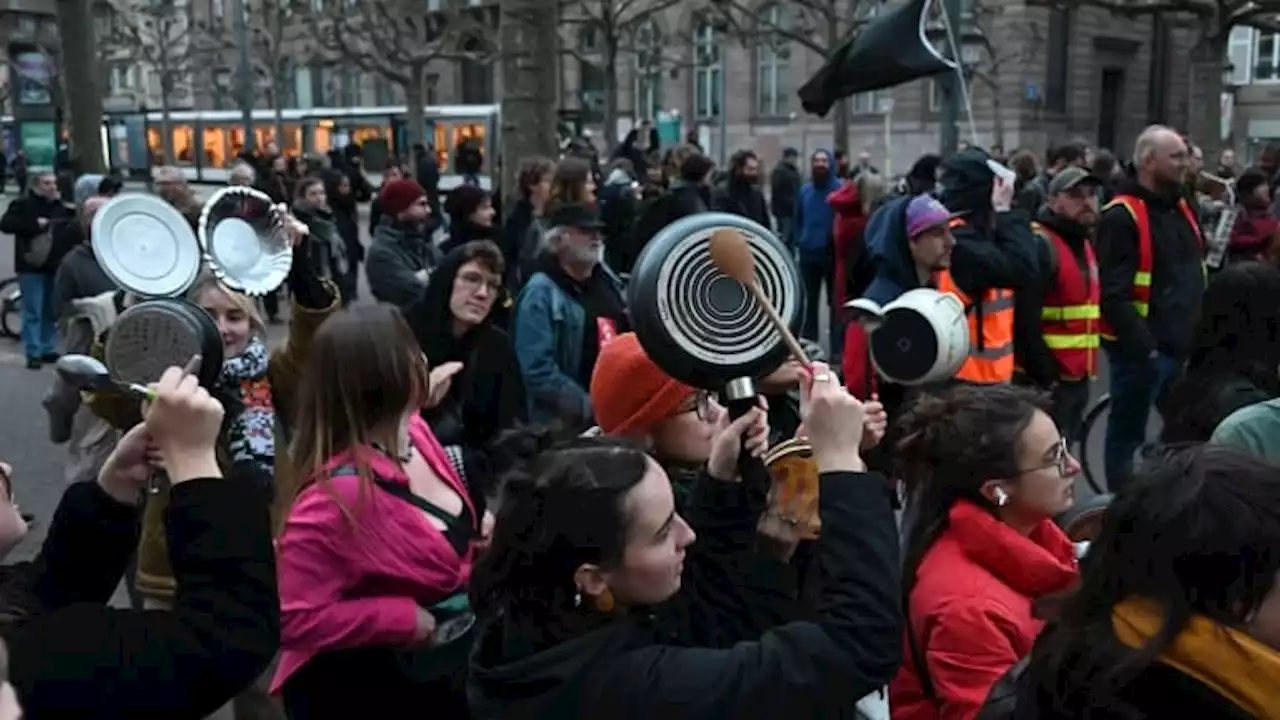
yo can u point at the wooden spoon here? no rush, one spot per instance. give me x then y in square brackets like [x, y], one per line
[732, 256]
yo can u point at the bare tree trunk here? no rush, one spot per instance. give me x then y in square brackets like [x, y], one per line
[414, 99]
[528, 38]
[277, 97]
[79, 75]
[840, 127]
[611, 90]
[1204, 116]
[166, 124]
[997, 108]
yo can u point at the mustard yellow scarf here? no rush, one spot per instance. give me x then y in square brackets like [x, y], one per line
[1227, 661]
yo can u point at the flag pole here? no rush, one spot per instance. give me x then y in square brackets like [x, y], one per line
[960, 78]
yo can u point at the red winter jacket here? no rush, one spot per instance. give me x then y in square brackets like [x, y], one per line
[856, 363]
[970, 610]
[848, 226]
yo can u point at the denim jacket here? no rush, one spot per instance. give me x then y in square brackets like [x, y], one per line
[547, 331]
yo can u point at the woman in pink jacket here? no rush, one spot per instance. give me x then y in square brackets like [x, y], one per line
[375, 555]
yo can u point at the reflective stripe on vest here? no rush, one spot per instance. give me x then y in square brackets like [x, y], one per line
[1141, 293]
[1069, 318]
[990, 360]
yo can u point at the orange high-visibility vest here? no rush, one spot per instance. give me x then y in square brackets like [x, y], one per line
[1070, 314]
[1137, 208]
[990, 359]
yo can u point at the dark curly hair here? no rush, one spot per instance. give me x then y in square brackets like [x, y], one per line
[1197, 533]
[950, 445]
[562, 505]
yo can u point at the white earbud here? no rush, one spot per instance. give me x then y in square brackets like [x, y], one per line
[1002, 497]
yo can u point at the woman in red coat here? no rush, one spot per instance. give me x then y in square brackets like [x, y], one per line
[988, 471]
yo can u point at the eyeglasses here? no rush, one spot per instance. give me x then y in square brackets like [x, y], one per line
[473, 280]
[1061, 460]
[699, 402]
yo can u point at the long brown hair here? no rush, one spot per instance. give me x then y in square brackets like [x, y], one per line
[363, 372]
[569, 181]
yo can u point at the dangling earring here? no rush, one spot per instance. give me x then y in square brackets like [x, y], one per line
[604, 602]
[1002, 497]
[577, 599]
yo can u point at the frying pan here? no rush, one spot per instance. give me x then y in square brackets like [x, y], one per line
[702, 327]
[153, 335]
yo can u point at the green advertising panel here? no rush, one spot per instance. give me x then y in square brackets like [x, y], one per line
[40, 143]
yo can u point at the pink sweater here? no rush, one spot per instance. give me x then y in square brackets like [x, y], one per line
[343, 586]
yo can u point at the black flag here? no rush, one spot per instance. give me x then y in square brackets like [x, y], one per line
[890, 51]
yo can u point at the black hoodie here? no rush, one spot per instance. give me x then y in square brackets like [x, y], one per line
[993, 250]
[488, 395]
[665, 664]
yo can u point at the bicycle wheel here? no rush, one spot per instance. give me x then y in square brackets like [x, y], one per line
[10, 307]
[1093, 428]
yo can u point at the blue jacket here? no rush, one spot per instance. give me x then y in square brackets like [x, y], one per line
[547, 331]
[815, 219]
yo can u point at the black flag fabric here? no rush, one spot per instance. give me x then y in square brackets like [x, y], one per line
[889, 51]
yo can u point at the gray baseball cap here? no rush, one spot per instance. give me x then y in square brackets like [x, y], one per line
[1071, 177]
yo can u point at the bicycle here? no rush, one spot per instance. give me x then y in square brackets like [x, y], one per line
[10, 308]
[1092, 423]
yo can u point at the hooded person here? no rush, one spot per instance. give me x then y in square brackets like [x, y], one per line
[909, 241]
[995, 255]
[453, 321]
[471, 216]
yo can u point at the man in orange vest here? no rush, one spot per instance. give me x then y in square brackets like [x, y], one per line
[1150, 262]
[994, 255]
[1056, 336]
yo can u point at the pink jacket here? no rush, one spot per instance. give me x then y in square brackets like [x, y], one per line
[343, 586]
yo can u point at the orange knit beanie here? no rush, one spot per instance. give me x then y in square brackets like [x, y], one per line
[629, 393]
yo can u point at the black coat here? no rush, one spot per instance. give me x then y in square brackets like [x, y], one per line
[1177, 278]
[741, 199]
[488, 395]
[72, 656]
[22, 221]
[683, 659]
[1159, 692]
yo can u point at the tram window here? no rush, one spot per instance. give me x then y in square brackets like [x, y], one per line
[468, 131]
[237, 141]
[292, 144]
[184, 145]
[323, 139]
[215, 147]
[155, 147]
[366, 134]
[443, 150]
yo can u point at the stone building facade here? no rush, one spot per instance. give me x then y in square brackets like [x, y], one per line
[1052, 75]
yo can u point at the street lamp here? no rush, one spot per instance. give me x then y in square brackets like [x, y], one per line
[970, 42]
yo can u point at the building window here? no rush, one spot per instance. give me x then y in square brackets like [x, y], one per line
[773, 54]
[1240, 55]
[707, 71]
[647, 94]
[477, 74]
[433, 89]
[1059, 59]
[1266, 66]
[217, 9]
[221, 88]
[937, 94]
[868, 103]
[592, 84]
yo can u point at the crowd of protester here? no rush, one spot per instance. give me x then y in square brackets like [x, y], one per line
[480, 497]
